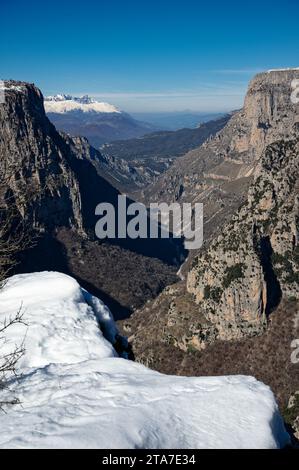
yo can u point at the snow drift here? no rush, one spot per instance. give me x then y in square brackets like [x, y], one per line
[76, 392]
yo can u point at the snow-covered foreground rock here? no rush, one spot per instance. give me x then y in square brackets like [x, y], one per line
[76, 392]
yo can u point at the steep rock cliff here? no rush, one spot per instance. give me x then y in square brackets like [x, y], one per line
[246, 271]
[34, 161]
[56, 182]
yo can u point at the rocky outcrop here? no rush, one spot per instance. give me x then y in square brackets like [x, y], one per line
[34, 162]
[52, 166]
[243, 274]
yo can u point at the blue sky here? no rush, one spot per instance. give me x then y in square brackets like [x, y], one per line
[148, 55]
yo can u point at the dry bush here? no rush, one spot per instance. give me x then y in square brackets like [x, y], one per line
[14, 237]
[8, 361]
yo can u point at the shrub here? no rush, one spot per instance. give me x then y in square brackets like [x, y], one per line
[233, 273]
[291, 413]
[213, 293]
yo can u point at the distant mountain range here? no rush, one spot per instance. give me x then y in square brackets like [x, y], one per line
[148, 156]
[97, 121]
[175, 120]
[164, 144]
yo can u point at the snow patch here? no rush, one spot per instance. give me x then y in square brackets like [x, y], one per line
[76, 393]
[4, 87]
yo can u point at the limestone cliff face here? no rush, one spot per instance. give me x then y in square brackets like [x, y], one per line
[237, 281]
[62, 178]
[241, 276]
[117, 171]
[218, 172]
[268, 115]
[34, 163]
[247, 178]
[246, 271]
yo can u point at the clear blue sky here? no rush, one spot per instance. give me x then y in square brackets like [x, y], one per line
[148, 55]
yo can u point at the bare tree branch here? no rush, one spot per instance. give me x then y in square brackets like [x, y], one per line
[15, 236]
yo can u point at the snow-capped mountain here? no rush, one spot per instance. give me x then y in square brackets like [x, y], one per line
[98, 121]
[67, 103]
